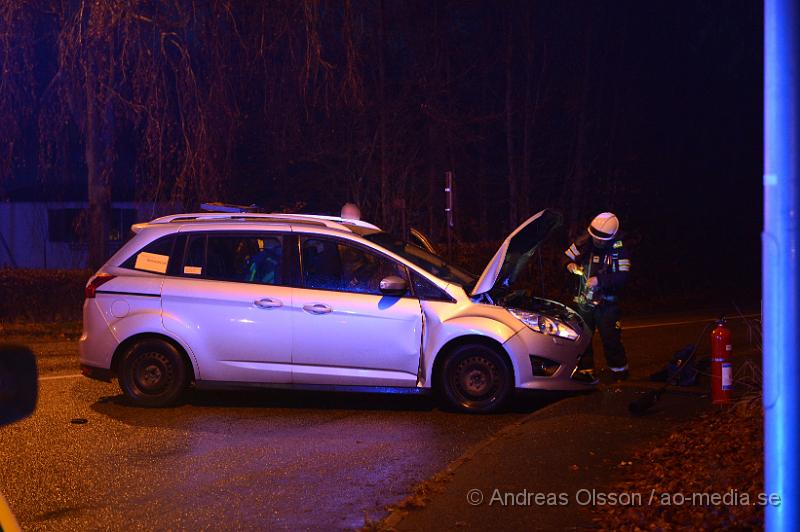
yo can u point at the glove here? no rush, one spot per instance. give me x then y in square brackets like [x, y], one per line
[592, 282]
[574, 268]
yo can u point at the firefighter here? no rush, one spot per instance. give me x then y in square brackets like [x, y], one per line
[601, 261]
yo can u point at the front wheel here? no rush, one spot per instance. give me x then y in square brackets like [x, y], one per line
[475, 378]
[152, 373]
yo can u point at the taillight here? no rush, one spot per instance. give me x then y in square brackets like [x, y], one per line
[96, 282]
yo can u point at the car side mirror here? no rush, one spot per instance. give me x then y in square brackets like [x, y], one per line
[393, 285]
[19, 386]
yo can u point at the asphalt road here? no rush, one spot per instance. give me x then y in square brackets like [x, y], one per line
[247, 460]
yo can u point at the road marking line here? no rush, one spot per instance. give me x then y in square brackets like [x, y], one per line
[670, 323]
[54, 377]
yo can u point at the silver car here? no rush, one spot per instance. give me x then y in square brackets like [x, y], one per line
[314, 302]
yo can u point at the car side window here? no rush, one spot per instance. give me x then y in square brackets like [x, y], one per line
[154, 257]
[334, 265]
[240, 258]
[195, 258]
[424, 289]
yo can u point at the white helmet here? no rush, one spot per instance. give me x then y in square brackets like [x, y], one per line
[604, 226]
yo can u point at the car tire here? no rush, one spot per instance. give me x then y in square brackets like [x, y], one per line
[475, 378]
[152, 373]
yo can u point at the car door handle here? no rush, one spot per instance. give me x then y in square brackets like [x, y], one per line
[268, 302]
[317, 308]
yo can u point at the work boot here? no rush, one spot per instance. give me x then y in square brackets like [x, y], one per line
[585, 376]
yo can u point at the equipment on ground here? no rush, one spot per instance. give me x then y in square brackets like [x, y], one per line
[721, 366]
[680, 359]
[649, 399]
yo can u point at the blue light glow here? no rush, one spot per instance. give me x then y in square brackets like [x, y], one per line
[780, 258]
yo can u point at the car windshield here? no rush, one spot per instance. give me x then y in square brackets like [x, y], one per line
[429, 262]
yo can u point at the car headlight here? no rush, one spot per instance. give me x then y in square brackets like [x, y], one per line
[545, 324]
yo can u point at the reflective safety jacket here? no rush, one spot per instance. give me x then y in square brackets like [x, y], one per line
[610, 264]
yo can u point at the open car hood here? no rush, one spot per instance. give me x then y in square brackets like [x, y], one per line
[515, 251]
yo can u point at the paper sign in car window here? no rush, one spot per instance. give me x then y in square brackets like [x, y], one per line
[192, 270]
[151, 262]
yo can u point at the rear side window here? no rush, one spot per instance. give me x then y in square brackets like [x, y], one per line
[154, 257]
[195, 256]
[247, 258]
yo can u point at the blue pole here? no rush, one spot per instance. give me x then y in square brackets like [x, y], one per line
[781, 290]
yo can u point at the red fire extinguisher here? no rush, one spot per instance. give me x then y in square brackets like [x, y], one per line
[721, 365]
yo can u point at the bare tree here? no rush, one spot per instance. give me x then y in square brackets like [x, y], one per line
[17, 82]
[130, 68]
[513, 178]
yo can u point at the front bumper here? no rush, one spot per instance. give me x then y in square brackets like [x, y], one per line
[565, 352]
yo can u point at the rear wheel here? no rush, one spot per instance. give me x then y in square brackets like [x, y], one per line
[152, 373]
[476, 378]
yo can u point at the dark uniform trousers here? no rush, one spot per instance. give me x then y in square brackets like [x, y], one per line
[605, 318]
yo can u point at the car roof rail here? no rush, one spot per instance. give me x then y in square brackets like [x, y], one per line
[217, 217]
[206, 217]
[331, 222]
[322, 217]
